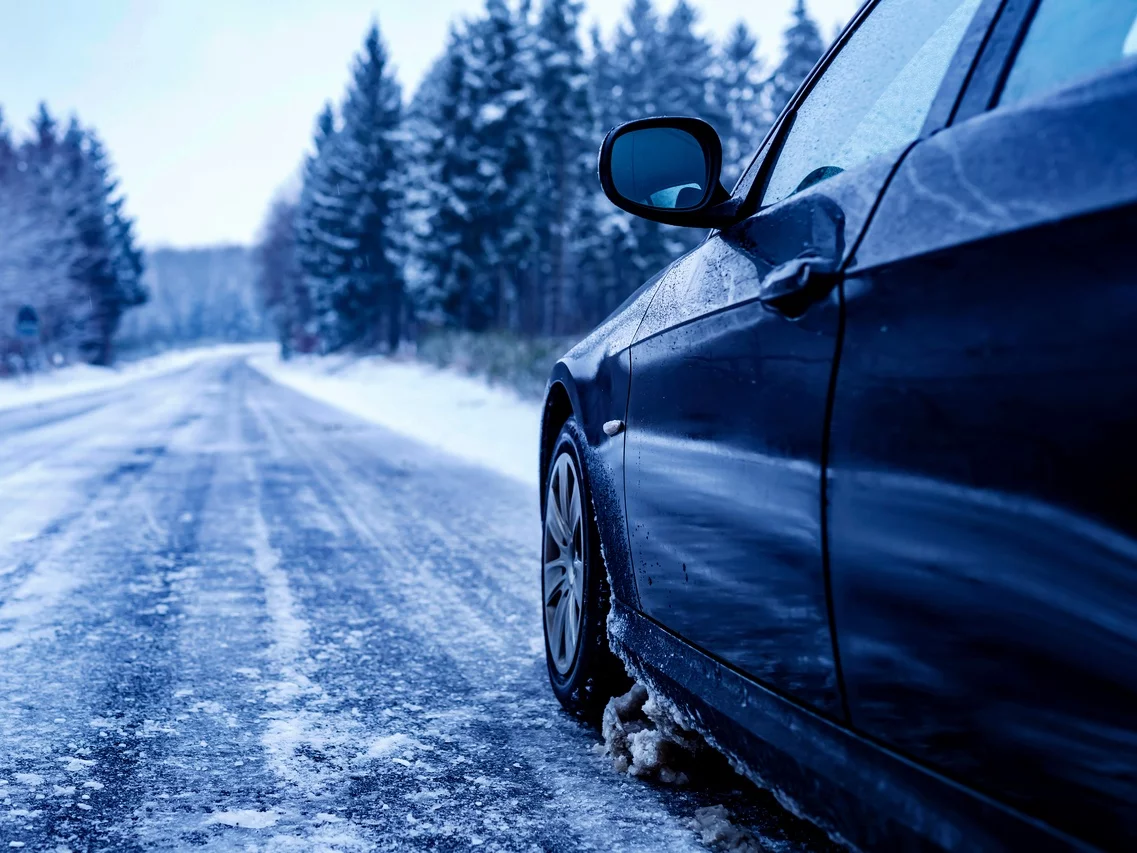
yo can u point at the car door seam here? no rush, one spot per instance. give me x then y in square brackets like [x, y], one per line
[827, 428]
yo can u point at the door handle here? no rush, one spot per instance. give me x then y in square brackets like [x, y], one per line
[793, 288]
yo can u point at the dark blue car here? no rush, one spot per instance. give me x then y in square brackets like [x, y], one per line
[855, 481]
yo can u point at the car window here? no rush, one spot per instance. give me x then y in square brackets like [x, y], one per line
[1068, 40]
[876, 93]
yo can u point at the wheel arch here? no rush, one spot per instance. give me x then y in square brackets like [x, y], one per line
[557, 410]
[602, 460]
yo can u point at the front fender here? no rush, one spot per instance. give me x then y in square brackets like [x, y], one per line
[591, 383]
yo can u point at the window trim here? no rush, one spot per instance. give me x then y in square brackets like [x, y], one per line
[1002, 63]
[951, 91]
[994, 63]
[963, 66]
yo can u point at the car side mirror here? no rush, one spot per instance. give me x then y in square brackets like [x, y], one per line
[666, 169]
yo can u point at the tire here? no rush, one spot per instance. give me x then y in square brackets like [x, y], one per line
[583, 671]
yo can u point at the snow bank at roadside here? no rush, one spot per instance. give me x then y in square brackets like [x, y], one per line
[718, 831]
[644, 738]
[84, 378]
[459, 414]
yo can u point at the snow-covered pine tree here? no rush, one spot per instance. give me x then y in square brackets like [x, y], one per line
[637, 57]
[562, 149]
[447, 190]
[601, 81]
[498, 90]
[7, 150]
[10, 215]
[12, 226]
[418, 202]
[278, 281]
[46, 242]
[127, 257]
[740, 95]
[66, 247]
[802, 48]
[597, 238]
[684, 80]
[108, 265]
[641, 76]
[363, 159]
[320, 229]
[84, 200]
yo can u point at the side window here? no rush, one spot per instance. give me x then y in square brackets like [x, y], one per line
[1068, 40]
[876, 93]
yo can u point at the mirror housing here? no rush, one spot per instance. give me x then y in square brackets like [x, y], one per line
[653, 168]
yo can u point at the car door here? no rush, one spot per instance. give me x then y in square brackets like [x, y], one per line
[983, 492]
[731, 367]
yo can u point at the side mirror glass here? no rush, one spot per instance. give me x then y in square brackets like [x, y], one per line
[665, 169]
[661, 167]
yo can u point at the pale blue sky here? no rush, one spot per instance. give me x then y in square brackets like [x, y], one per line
[207, 105]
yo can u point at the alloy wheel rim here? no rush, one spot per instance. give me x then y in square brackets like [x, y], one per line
[563, 577]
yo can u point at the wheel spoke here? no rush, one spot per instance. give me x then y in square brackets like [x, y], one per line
[556, 524]
[563, 487]
[560, 628]
[573, 517]
[572, 624]
[561, 534]
[555, 577]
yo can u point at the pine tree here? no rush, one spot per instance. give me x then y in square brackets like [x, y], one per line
[348, 240]
[803, 47]
[13, 225]
[83, 183]
[7, 151]
[598, 236]
[648, 71]
[562, 149]
[637, 57]
[68, 247]
[740, 96]
[127, 257]
[367, 290]
[684, 81]
[46, 242]
[278, 280]
[445, 188]
[320, 228]
[111, 265]
[501, 114]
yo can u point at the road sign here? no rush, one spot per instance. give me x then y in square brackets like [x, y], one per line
[27, 322]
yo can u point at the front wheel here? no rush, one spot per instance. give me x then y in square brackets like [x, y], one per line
[574, 587]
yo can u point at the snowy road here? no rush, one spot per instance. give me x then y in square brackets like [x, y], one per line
[235, 618]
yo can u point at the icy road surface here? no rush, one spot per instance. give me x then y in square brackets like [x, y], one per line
[234, 618]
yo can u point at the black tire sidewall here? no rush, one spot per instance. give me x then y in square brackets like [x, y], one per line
[581, 690]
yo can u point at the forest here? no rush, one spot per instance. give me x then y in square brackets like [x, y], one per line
[473, 205]
[75, 286]
[69, 263]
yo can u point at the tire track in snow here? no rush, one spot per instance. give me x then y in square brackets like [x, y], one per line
[300, 725]
[101, 666]
[55, 480]
[122, 679]
[476, 637]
